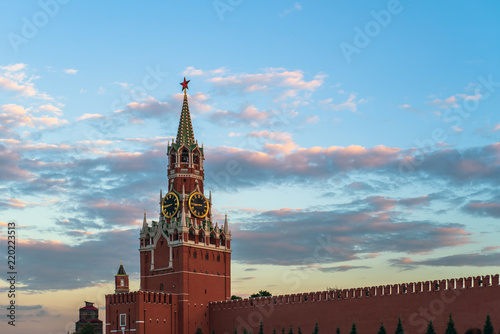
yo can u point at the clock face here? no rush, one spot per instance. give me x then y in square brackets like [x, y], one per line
[198, 205]
[170, 205]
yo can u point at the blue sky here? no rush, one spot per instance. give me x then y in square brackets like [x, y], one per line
[351, 143]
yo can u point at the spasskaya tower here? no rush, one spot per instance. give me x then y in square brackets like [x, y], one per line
[186, 254]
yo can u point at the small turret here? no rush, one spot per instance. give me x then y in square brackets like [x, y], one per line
[121, 280]
[144, 223]
[226, 225]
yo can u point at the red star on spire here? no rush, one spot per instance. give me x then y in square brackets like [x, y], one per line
[185, 84]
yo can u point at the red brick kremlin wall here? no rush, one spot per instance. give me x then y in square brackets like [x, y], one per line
[468, 299]
[147, 312]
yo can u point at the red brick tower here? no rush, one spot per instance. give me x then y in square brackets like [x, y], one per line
[185, 253]
[121, 280]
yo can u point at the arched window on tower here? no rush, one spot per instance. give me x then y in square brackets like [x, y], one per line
[176, 235]
[185, 156]
[212, 238]
[201, 237]
[161, 287]
[196, 158]
[191, 235]
[222, 240]
[173, 160]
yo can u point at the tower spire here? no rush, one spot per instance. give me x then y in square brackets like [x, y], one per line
[185, 133]
[226, 225]
[144, 222]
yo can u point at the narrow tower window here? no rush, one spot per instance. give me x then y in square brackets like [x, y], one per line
[185, 156]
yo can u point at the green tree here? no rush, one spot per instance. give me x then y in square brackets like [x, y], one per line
[291, 330]
[283, 330]
[399, 329]
[261, 328]
[261, 293]
[86, 329]
[274, 330]
[233, 297]
[299, 330]
[199, 331]
[450, 329]
[235, 330]
[381, 329]
[337, 331]
[316, 329]
[430, 328]
[353, 329]
[488, 326]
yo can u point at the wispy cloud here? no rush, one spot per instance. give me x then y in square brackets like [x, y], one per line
[14, 78]
[15, 115]
[296, 7]
[484, 209]
[286, 84]
[350, 104]
[454, 100]
[457, 260]
[89, 116]
[342, 268]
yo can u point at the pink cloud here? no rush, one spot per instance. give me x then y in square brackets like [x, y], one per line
[350, 104]
[10, 163]
[382, 203]
[191, 71]
[15, 78]
[50, 108]
[453, 101]
[491, 209]
[15, 203]
[284, 142]
[88, 116]
[450, 102]
[17, 116]
[414, 201]
[490, 249]
[291, 81]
